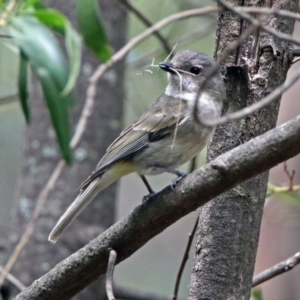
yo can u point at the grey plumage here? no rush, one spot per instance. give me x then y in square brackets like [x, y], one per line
[151, 145]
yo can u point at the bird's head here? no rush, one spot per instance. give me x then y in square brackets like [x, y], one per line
[186, 73]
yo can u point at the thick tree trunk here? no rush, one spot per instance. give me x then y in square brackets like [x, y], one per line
[228, 232]
[41, 155]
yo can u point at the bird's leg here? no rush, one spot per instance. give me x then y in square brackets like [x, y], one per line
[149, 188]
[179, 174]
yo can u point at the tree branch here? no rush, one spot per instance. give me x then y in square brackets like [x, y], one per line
[14, 281]
[148, 32]
[257, 23]
[155, 215]
[50, 185]
[185, 258]
[276, 270]
[148, 23]
[257, 105]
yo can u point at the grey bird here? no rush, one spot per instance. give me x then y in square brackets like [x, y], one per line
[165, 136]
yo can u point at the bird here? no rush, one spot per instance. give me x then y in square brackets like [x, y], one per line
[166, 135]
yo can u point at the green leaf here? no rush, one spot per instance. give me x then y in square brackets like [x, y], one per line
[73, 45]
[257, 295]
[52, 19]
[60, 24]
[32, 4]
[23, 86]
[48, 62]
[92, 29]
[58, 111]
[40, 47]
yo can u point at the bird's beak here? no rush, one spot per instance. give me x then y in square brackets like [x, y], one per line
[167, 66]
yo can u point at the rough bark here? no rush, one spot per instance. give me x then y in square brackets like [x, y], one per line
[41, 155]
[228, 231]
[165, 208]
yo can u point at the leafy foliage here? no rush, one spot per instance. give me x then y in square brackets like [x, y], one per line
[23, 85]
[92, 29]
[31, 25]
[46, 59]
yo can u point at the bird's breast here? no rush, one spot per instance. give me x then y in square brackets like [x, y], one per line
[174, 150]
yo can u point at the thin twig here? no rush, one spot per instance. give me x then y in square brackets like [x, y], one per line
[148, 23]
[110, 274]
[290, 175]
[232, 46]
[257, 24]
[30, 227]
[268, 11]
[14, 281]
[189, 243]
[145, 34]
[81, 125]
[184, 260]
[276, 93]
[140, 61]
[9, 8]
[267, 100]
[180, 106]
[256, 106]
[276, 270]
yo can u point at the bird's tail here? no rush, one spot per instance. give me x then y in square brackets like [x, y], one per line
[83, 200]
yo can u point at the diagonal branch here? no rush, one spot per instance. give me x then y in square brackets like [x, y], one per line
[258, 24]
[276, 270]
[274, 95]
[148, 23]
[14, 281]
[155, 215]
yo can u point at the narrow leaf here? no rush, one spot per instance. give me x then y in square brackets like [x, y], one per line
[48, 62]
[23, 86]
[92, 29]
[60, 24]
[58, 109]
[52, 19]
[41, 47]
[73, 45]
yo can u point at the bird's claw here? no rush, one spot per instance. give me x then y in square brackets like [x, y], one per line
[176, 180]
[147, 197]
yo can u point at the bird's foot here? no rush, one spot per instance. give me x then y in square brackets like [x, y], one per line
[177, 179]
[147, 197]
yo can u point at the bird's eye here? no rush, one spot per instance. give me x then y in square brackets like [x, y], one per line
[195, 70]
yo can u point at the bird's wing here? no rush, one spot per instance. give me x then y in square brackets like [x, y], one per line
[158, 121]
